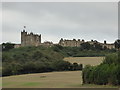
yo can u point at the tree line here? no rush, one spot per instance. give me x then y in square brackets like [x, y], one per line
[107, 73]
[85, 50]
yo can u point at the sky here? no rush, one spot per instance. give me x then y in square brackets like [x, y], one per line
[56, 20]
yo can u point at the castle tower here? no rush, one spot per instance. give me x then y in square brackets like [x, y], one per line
[23, 37]
[30, 39]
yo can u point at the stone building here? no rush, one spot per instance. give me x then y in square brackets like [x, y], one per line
[47, 44]
[109, 46]
[30, 39]
[77, 43]
[70, 43]
[105, 44]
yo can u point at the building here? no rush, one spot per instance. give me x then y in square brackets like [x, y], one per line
[77, 43]
[47, 44]
[70, 43]
[30, 39]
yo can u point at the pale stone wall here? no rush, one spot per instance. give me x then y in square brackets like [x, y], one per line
[70, 43]
[17, 45]
[110, 46]
[47, 44]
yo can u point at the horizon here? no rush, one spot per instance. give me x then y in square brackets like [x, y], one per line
[60, 39]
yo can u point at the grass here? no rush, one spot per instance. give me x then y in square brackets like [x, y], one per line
[85, 60]
[69, 79]
[44, 80]
[31, 84]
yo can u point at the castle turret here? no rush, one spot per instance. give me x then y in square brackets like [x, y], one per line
[91, 40]
[83, 40]
[105, 42]
[40, 38]
[78, 39]
[23, 38]
[74, 39]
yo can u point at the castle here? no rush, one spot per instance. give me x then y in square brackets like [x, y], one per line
[30, 39]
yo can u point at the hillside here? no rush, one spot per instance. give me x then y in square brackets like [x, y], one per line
[40, 59]
[34, 60]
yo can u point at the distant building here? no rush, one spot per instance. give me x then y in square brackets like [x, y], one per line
[70, 43]
[77, 43]
[35, 40]
[47, 44]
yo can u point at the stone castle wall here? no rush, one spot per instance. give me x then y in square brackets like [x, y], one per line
[30, 39]
[70, 43]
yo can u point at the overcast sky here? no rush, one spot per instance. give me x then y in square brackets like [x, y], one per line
[89, 20]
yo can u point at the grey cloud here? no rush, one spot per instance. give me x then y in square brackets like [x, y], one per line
[67, 20]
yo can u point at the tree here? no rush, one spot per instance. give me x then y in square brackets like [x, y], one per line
[7, 46]
[98, 46]
[86, 45]
[107, 72]
[75, 66]
[117, 44]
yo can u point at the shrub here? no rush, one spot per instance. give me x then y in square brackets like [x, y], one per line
[106, 73]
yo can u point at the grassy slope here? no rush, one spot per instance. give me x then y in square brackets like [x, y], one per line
[70, 79]
[85, 60]
[44, 80]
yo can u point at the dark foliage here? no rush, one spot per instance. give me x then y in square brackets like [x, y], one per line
[117, 44]
[44, 59]
[34, 60]
[7, 46]
[107, 72]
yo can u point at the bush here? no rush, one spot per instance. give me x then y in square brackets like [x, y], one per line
[106, 73]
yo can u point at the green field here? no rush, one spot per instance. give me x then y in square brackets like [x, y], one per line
[44, 80]
[85, 60]
[69, 79]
